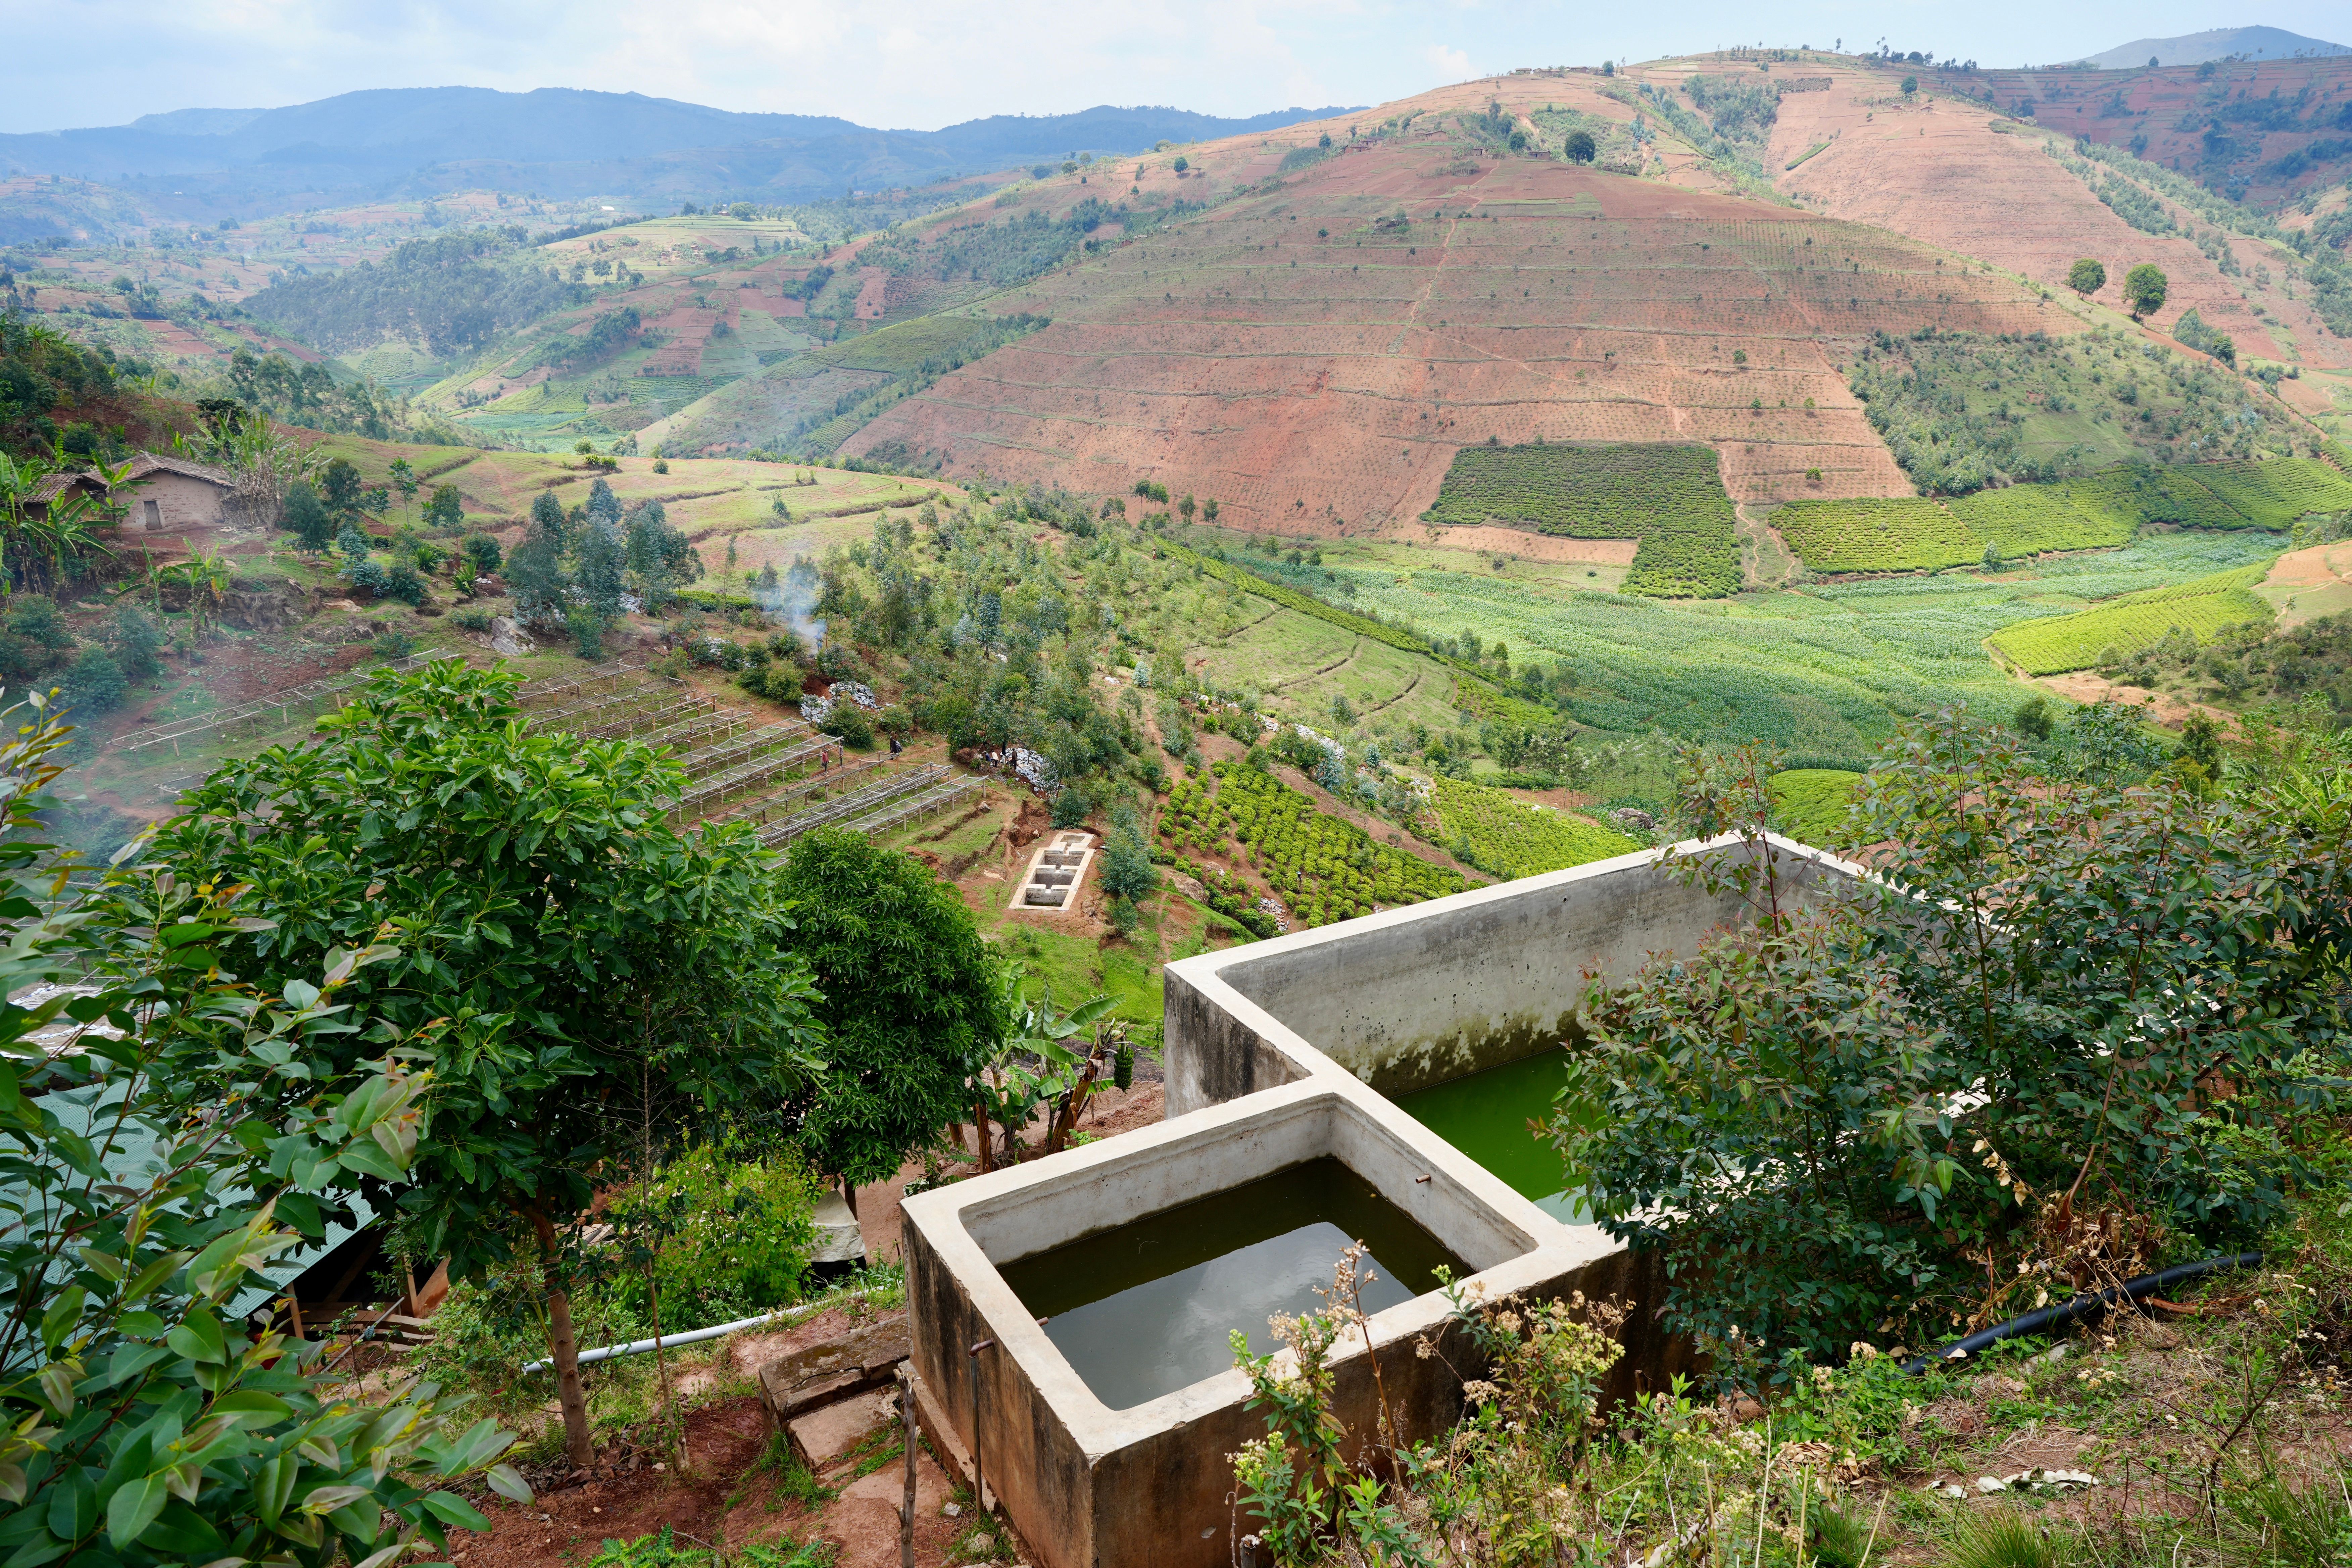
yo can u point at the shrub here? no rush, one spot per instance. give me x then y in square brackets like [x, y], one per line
[95, 684]
[727, 1235]
[1839, 1122]
[472, 618]
[138, 641]
[481, 553]
[848, 720]
[405, 583]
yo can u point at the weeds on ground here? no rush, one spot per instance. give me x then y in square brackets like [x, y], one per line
[663, 1551]
[2219, 1439]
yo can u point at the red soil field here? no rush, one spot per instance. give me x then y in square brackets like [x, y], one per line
[1313, 351]
[2173, 107]
[1976, 184]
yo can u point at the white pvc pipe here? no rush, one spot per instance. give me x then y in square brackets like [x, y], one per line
[696, 1336]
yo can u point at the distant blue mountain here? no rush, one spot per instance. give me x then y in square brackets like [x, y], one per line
[562, 140]
[2221, 43]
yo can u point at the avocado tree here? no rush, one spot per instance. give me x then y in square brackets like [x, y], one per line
[912, 1007]
[579, 954]
[2087, 277]
[2144, 290]
[1580, 148]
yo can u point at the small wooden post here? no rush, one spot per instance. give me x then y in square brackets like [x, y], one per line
[907, 1512]
[979, 1477]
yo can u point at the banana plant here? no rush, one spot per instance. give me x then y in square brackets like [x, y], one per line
[39, 535]
[1038, 1065]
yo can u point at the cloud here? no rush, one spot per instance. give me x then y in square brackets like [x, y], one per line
[1452, 64]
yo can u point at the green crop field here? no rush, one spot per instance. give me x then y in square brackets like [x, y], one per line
[1809, 804]
[2155, 495]
[1671, 497]
[2274, 494]
[1875, 535]
[1322, 868]
[2030, 520]
[2091, 512]
[1824, 672]
[2136, 621]
[1512, 838]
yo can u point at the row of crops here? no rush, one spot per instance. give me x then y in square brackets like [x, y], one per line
[1323, 869]
[1670, 497]
[2096, 511]
[2116, 631]
[1511, 839]
[1809, 804]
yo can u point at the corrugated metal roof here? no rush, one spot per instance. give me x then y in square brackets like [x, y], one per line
[135, 1160]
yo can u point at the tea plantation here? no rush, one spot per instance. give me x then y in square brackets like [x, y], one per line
[1511, 839]
[1809, 804]
[1875, 535]
[2094, 512]
[1323, 869]
[1671, 497]
[2136, 621]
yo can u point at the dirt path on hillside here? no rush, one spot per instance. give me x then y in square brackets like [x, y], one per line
[2088, 686]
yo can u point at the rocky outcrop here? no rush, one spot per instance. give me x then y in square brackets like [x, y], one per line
[508, 639]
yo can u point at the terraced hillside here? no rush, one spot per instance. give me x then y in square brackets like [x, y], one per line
[1312, 349]
[1986, 183]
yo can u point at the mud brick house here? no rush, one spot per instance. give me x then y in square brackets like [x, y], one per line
[170, 505]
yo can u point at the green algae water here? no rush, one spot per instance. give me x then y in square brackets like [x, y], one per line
[1148, 1308]
[1486, 1115]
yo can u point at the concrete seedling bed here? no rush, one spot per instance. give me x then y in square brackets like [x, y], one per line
[1277, 1053]
[1055, 872]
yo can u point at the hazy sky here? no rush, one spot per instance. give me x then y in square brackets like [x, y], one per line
[920, 64]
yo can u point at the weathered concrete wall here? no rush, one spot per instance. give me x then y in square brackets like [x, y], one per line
[1269, 1052]
[1088, 1485]
[1413, 996]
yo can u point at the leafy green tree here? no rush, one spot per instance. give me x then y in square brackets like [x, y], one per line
[535, 576]
[602, 558]
[911, 1007]
[307, 519]
[2144, 290]
[339, 488]
[547, 517]
[588, 958]
[1910, 86]
[402, 475]
[446, 509]
[198, 1133]
[2087, 276]
[1580, 148]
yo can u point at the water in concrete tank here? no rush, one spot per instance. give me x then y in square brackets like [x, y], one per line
[1486, 1115]
[1147, 1308]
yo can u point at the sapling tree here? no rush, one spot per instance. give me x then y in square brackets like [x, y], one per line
[532, 882]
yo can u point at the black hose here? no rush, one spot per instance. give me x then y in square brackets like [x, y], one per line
[2084, 1307]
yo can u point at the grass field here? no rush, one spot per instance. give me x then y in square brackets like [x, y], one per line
[2202, 607]
[1671, 497]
